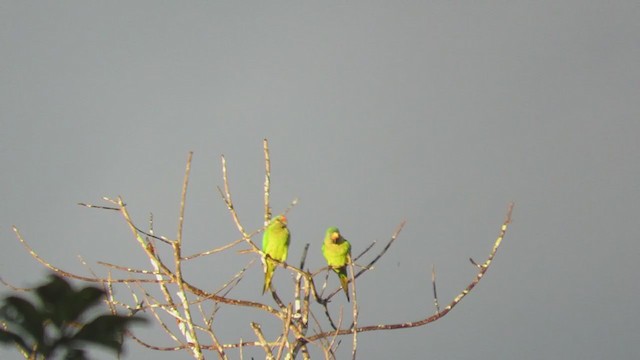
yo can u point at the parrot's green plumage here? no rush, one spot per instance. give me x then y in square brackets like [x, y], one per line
[275, 244]
[337, 252]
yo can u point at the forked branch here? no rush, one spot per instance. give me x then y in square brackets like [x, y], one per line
[483, 268]
[184, 303]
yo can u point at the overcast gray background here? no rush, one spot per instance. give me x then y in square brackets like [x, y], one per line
[438, 112]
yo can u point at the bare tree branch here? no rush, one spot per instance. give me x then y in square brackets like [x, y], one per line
[267, 182]
[187, 313]
[483, 269]
[262, 341]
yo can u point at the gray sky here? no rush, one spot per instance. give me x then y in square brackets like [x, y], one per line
[439, 113]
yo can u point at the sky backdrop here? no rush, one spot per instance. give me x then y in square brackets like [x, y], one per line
[438, 112]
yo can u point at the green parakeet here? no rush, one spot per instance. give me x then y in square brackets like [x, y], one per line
[275, 244]
[337, 252]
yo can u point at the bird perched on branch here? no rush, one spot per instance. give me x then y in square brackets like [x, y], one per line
[275, 245]
[337, 252]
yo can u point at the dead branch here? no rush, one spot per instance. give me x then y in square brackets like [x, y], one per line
[195, 330]
[483, 269]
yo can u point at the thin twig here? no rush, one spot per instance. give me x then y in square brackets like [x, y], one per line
[183, 197]
[128, 269]
[66, 273]
[226, 195]
[262, 341]
[216, 250]
[13, 287]
[355, 310]
[435, 292]
[355, 259]
[267, 181]
[335, 334]
[298, 278]
[99, 206]
[190, 332]
[285, 333]
[235, 279]
[209, 330]
[384, 250]
[149, 299]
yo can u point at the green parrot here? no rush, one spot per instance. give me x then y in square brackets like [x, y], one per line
[275, 244]
[337, 252]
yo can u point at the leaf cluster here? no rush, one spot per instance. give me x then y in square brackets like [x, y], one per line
[54, 322]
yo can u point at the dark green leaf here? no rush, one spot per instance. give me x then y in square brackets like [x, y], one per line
[84, 299]
[106, 330]
[7, 337]
[63, 303]
[60, 305]
[57, 288]
[78, 303]
[23, 314]
[55, 296]
[75, 354]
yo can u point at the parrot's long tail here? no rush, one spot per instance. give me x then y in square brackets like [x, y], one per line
[344, 280]
[270, 267]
